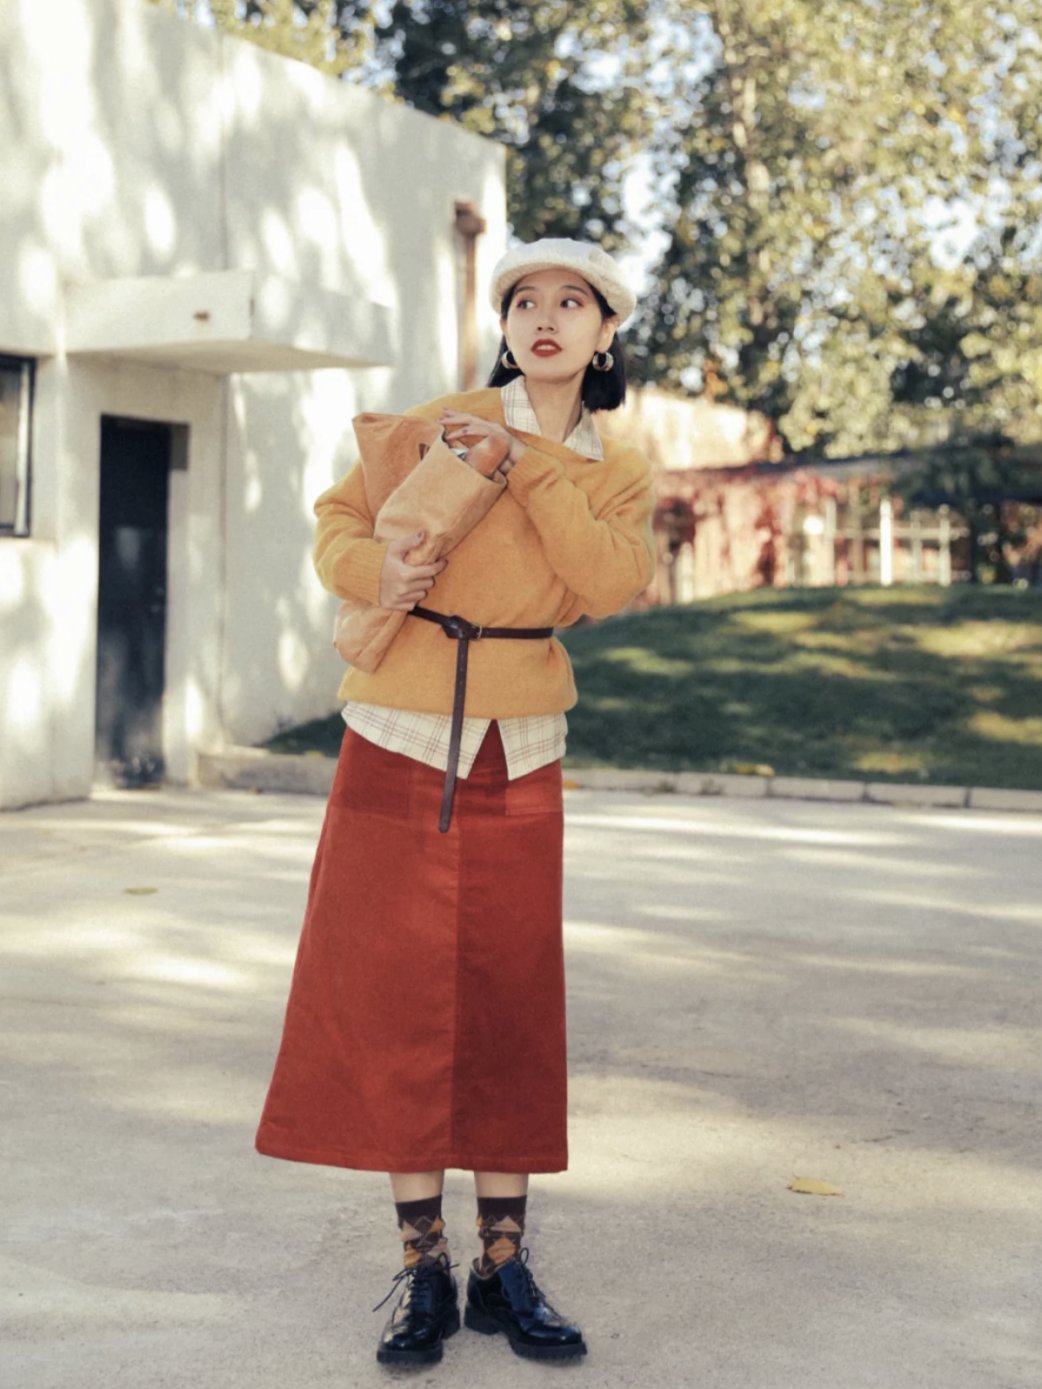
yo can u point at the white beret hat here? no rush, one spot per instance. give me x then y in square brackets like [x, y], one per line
[594, 265]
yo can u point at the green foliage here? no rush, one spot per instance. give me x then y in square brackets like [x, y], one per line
[557, 83]
[527, 76]
[821, 148]
[982, 482]
[330, 35]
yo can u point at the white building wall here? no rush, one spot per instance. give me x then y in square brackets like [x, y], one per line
[138, 144]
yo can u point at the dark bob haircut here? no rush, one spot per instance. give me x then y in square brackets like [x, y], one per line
[601, 390]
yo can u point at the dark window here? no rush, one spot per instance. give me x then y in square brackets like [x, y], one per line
[16, 393]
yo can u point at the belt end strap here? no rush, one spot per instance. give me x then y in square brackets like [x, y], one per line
[455, 735]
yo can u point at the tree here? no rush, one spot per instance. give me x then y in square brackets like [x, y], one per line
[330, 35]
[988, 483]
[818, 148]
[557, 83]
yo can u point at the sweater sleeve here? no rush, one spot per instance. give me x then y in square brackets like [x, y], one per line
[347, 559]
[605, 557]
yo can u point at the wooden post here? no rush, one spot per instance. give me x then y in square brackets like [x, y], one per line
[917, 548]
[886, 541]
[944, 548]
[470, 226]
[858, 546]
[830, 540]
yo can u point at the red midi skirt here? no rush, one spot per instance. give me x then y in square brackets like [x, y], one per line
[425, 1026]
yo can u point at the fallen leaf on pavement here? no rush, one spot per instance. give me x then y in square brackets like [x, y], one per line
[811, 1186]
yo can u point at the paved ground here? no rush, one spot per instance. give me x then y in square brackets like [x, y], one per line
[757, 990]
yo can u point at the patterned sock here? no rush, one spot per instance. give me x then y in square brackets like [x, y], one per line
[421, 1226]
[501, 1224]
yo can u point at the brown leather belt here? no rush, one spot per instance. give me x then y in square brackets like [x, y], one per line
[459, 629]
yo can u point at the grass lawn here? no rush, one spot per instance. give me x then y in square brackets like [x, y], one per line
[902, 684]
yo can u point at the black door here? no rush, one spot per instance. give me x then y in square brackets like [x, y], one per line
[135, 473]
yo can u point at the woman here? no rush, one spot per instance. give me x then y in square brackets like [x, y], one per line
[426, 1021]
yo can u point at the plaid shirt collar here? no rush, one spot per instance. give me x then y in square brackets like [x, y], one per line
[518, 414]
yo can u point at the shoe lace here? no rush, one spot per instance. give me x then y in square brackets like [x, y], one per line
[411, 1275]
[535, 1292]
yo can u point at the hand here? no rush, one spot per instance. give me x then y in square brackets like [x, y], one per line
[457, 426]
[403, 585]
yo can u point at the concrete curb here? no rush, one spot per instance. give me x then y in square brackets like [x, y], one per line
[254, 769]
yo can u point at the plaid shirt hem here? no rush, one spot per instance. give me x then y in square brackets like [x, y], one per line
[529, 742]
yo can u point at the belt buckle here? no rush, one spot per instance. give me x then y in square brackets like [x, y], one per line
[459, 627]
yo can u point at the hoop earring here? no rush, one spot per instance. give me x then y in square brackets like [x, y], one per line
[508, 362]
[605, 364]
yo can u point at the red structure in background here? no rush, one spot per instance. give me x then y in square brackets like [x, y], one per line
[733, 513]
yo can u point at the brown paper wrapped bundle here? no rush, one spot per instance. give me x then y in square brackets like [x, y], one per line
[413, 481]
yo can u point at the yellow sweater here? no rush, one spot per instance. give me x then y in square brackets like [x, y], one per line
[571, 535]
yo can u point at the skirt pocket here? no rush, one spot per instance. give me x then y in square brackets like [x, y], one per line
[372, 779]
[536, 793]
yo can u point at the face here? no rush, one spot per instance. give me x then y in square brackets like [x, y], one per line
[555, 307]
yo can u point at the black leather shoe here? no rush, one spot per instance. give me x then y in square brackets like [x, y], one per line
[510, 1301]
[427, 1313]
